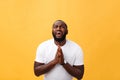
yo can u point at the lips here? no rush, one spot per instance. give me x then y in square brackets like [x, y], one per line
[58, 34]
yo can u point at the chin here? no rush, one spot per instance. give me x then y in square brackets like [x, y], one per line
[59, 39]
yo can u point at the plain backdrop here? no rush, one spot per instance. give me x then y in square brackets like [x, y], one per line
[93, 24]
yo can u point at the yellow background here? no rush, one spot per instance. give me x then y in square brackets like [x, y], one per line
[93, 24]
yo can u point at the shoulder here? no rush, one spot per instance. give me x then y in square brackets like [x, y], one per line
[46, 43]
[73, 44]
[75, 47]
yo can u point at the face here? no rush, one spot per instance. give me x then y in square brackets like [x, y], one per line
[59, 31]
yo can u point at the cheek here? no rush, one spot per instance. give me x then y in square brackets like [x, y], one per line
[64, 31]
[53, 31]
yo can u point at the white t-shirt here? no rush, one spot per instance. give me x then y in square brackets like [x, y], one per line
[72, 54]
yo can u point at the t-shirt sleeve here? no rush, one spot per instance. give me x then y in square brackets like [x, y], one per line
[40, 54]
[79, 57]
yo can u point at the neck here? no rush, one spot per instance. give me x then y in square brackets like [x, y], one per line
[60, 43]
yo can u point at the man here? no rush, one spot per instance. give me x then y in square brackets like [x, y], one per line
[59, 58]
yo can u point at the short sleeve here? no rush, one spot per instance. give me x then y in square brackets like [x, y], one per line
[40, 54]
[79, 57]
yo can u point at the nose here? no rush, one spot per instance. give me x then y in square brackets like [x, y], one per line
[58, 28]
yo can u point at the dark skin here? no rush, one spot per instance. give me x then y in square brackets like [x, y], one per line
[59, 29]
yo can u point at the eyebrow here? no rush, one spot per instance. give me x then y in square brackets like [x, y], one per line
[61, 25]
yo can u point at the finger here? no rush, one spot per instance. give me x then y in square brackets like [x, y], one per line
[59, 54]
[59, 48]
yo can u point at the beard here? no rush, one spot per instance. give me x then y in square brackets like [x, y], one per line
[59, 39]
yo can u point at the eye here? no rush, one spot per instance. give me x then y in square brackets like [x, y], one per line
[62, 27]
[55, 26]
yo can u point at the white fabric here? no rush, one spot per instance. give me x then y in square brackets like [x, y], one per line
[72, 54]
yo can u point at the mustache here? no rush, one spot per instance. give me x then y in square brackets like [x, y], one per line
[58, 30]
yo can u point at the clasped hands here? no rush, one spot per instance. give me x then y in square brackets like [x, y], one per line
[59, 58]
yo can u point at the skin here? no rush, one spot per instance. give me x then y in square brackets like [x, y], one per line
[59, 29]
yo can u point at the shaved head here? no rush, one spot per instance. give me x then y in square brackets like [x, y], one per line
[61, 22]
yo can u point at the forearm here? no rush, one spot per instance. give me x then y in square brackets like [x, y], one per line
[41, 69]
[78, 73]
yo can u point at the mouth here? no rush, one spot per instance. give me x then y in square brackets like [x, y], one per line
[58, 34]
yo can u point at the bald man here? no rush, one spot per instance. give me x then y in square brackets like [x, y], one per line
[59, 58]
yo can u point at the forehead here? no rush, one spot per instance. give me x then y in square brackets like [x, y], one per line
[59, 23]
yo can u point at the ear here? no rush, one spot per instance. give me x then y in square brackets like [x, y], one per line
[66, 31]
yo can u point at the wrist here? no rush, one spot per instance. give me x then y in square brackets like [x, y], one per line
[55, 61]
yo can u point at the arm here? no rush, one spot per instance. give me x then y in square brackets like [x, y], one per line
[76, 71]
[41, 68]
